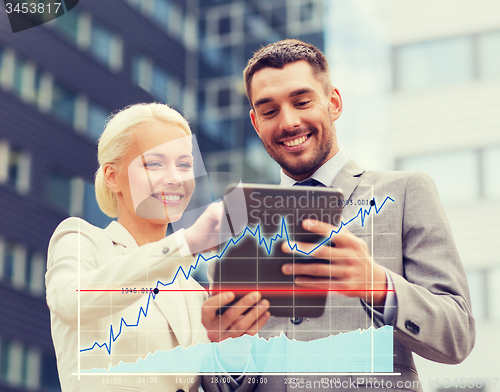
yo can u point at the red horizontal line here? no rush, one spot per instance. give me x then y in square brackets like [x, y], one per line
[236, 290]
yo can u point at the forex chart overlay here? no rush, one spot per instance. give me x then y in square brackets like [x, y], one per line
[344, 353]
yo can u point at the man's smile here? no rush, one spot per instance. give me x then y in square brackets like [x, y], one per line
[295, 141]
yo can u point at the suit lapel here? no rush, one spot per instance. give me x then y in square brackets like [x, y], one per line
[348, 178]
[173, 307]
[171, 304]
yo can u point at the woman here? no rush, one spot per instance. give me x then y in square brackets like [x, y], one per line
[145, 179]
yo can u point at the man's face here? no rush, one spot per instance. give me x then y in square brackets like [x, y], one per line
[294, 117]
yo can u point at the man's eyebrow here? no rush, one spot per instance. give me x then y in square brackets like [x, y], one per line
[295, 93]
[262, 101]
[300, 91]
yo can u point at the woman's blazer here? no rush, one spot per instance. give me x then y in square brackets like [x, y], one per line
[126, 321]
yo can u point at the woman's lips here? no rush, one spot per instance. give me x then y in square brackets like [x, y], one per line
[168, 198]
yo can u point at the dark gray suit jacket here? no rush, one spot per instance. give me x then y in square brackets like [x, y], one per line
[413, 241]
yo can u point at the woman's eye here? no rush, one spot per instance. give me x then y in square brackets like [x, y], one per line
[152, 165]
[185, 165]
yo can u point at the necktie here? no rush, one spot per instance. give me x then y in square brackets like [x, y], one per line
[309, 182]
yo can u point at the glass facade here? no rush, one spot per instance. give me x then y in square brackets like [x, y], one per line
[426, 65]
[58, 190]
[455, 173]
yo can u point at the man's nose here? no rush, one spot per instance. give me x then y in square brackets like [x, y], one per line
[290, 119]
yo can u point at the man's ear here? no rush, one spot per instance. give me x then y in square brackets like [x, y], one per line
[335, 103]
[110, 174]
[253, 118]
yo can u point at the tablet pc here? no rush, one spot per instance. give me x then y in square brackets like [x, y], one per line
[252, 259]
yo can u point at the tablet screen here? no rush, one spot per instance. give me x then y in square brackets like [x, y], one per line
[260, 222]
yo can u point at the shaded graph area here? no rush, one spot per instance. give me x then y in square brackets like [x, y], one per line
[266, 244]
[343, 353]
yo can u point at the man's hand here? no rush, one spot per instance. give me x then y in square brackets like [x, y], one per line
[234, 322]
[351, 269]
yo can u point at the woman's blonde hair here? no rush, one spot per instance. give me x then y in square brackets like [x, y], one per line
[117, 138]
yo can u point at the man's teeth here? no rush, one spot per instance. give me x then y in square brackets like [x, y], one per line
[295, 142]
[167, 197]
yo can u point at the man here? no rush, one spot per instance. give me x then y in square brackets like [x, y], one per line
[403, 264]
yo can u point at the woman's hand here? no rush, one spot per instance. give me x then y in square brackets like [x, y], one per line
[204, 234]
[246, 316]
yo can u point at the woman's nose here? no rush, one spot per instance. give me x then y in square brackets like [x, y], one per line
[171, 177]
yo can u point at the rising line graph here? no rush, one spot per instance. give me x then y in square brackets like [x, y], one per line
[362, 214]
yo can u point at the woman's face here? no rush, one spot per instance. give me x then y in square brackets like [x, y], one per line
[156, 177]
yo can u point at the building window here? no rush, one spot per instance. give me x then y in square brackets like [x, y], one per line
[256, 28]
[32, 368]
[7, 69]
[224, 24]
[428, 64]
[223, 99]
[160, 83]
[456, 174]
[65, 193]
[219, 131]
[91, 211]
[106, 46]
[13, 264]
[31, 85]
[491, 163]
[6, 260]
[67, 25]
[142, 72]
[26, 81]
[447, 61]
[489, 54]
[21, 268]
[190, 34]
[307, 12]
[49, 378]
[96, 119]
[494, 294]
[20, 366]
[35, 273]
[168, 16]
[19, 76]
[478, 288]
[15, 167]
[157, 81]
[87, 34]
[164, 13]
[63, 104]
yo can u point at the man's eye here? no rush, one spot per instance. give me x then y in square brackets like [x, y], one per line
[269, 112]
[302, 103]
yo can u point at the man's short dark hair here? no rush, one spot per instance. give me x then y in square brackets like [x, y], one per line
[281, 53]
